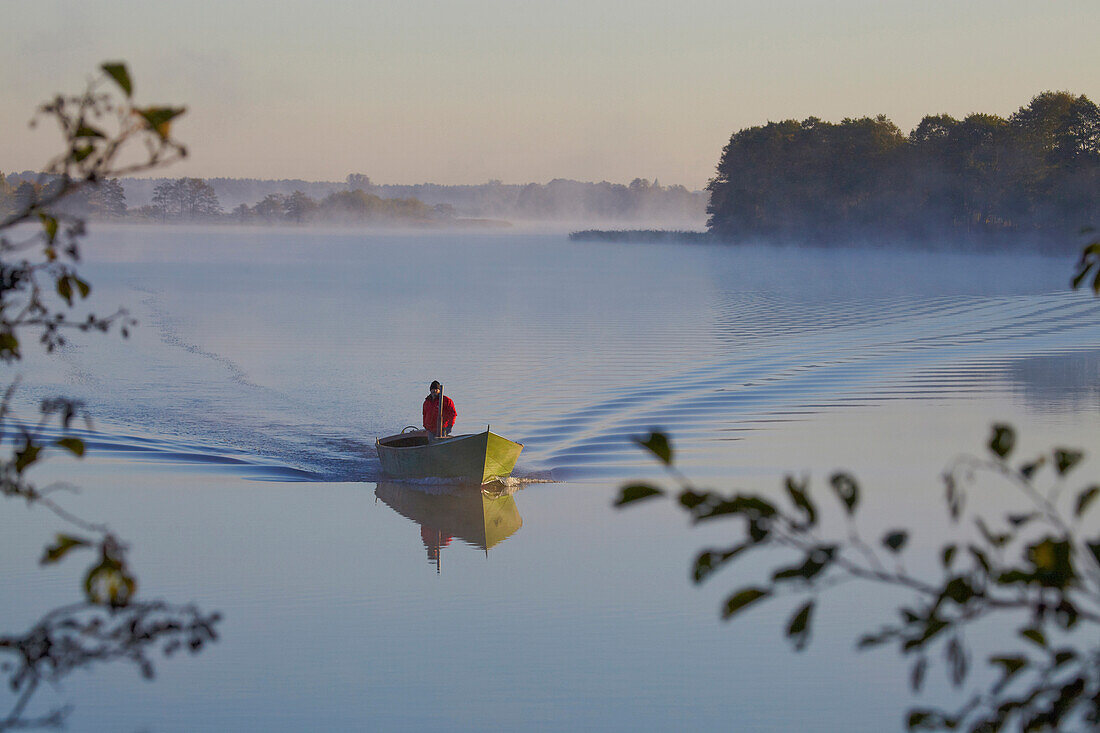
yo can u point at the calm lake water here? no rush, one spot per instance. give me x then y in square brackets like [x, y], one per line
[234, 451]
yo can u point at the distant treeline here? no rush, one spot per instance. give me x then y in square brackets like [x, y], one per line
[343, 207]
[560, 199]
[358, 198]
[106, 200]
[195, 200]
[1036, 173]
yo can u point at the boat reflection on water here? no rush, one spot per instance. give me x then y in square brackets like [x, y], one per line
[482, 516]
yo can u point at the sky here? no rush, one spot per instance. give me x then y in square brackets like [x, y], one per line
[467, 91]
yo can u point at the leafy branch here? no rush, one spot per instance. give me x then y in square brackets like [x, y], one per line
[80, 635]
[1036, 567]
[39, 288]
[1088, 264]
[38, 279]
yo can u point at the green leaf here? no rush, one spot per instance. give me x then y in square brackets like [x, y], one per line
[83, 286]
[9, 345]
[996, 540]
[1014, 577]
[117, 71]
[1011, 666]
[1028, 470]
[959, 590]
[798, 629]
[690, 499]
[65, 289]
[956, 660]
[751, 506]
[108, 583]
[1053, 563]
[894, 541]
[1003, 440]
[159, 119]
[1082, 273]
[1035, 636]
[916, 676]
[817, 560]
[1064, 655]
[954, 496]
[872, 640]
[709, 561]
[73, 445]
[948, 555]
[49, 225]
[759, 530]
[1088, 261]
[61, 548]
[27, 456]
[87, 131]
[981, 559]
[1066, 614]
[847, 490]
[741, 600]
[926, 719]
[637, 492]
[1085, 499]
[658, 445]
[933, 626]
[1066, 458]
[800, 497]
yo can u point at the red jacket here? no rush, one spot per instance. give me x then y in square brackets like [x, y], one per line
[431, 414]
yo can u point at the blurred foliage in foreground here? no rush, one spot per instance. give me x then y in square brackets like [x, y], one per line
[1036, 567]
[105, 135]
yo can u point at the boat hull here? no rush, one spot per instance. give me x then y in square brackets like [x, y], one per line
[477, 516]
[477, 458]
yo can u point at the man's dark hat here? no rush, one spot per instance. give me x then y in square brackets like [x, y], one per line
[435, 385]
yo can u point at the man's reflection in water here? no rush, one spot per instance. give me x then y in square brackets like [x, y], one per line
[434, 540]
[481, 516]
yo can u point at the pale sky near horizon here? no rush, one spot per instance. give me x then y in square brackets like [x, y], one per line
[465, 91]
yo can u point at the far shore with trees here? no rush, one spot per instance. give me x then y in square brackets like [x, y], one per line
[358, 201]
[1029, 181]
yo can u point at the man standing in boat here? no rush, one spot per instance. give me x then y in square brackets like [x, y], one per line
[436, 422]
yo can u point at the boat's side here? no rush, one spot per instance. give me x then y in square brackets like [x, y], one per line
[475, 458]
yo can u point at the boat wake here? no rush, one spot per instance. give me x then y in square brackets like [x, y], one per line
[756, 363]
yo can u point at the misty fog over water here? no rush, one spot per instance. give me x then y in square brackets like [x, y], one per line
[236, 429]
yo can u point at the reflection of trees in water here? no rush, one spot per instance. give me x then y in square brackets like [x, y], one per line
[1061, 382]
[80, 635]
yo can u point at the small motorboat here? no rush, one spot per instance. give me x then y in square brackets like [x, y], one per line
[477, 458]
